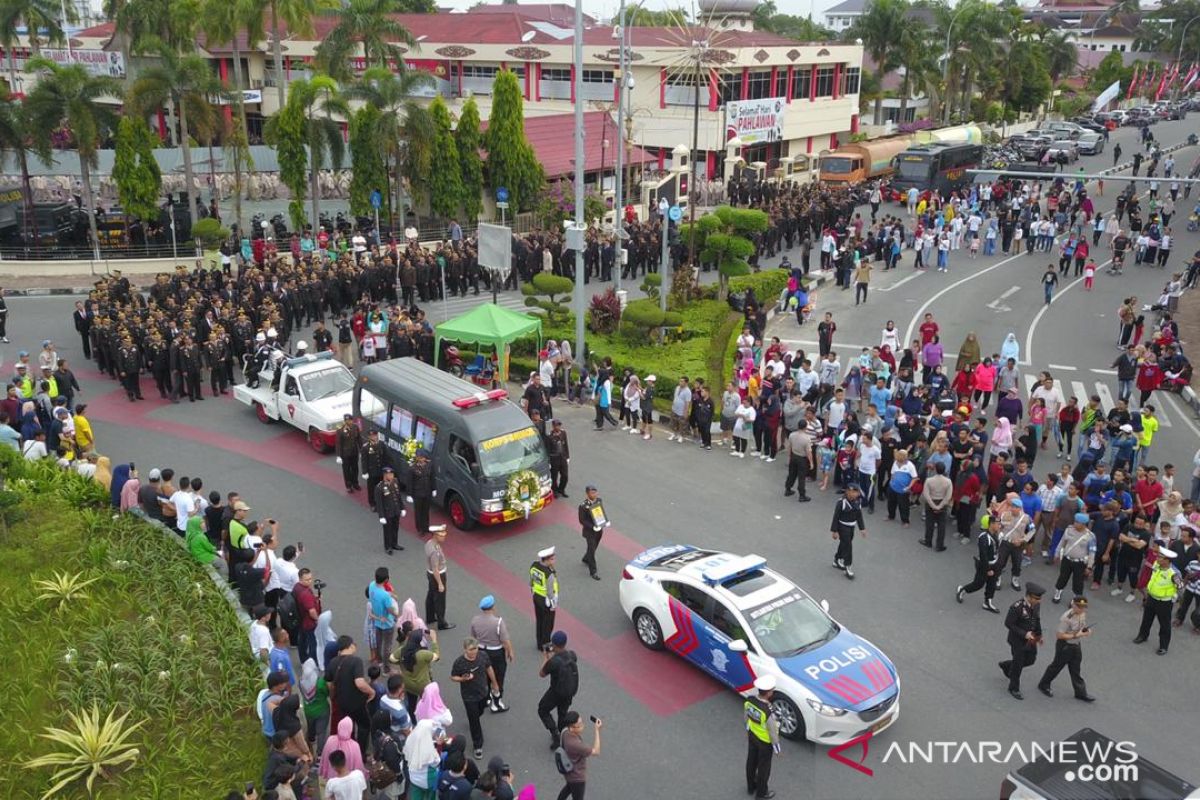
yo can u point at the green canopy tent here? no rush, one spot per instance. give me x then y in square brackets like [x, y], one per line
[488, 324]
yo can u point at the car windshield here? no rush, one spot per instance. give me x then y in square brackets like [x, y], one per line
[325, 383]
[791, 624]
[503, 455]
[837, 165]
[918, 168]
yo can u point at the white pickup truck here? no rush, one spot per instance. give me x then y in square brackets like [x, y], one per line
[314, 392]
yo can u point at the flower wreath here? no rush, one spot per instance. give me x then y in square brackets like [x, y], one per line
[409, 449]
[523, 488]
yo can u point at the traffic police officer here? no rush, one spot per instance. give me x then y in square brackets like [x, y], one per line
[1072, 626]
[1161, 591]
[347, 445]
[985, 565]
[389, 503]
[560, 457]
[492, 634]
[1024, 623]
[543, 583]
[420, 489]
[762, 736]
[847, 517]
[592, 521]
[371, 461]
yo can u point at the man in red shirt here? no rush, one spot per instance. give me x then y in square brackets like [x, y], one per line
[308, 605]
[929, 329]
[1146, 494]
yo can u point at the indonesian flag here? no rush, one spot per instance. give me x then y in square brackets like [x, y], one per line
[1132, 83]
[1191, 76]
[1162, 83]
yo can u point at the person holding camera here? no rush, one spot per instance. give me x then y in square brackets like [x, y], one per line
[562, 667]
[577, 752]
[473, 673]
[307, 594]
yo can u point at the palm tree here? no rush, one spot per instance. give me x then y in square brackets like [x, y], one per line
[187, 83]
[914, 55]
[16, 136]
[878, 28]
[36, 15]
[298, 16]
[320, 102]
[1062, 56]
[366, 26]
[405, 127]
[69, 97]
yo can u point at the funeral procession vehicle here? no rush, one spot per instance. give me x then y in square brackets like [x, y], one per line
[737, 620]
[311, 392]
[490, 464]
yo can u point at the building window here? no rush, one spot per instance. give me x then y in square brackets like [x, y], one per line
[556, 83]
[760, 85]
[824, 82]
[801, 83]
[555, 74]
[597, 76]
[731, 86]
[479, 71]
[681, 90]
[851, 79]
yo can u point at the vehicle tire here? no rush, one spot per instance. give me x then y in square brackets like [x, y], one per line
[456, 370]
[458, 512]
[261, 411]
[316, 442]
[649, 632]
[791, 721]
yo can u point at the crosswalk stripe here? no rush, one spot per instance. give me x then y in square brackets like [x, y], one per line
[1107, 402]
[1080, 390]
[1106, 398]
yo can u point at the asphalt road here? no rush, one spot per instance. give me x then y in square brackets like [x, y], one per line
[670, 731]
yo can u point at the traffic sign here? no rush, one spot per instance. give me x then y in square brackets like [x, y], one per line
[376, 199]
[502, 205]
[676, 213]
[502, 195]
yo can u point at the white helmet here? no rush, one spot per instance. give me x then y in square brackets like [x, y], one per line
[260, 337]
[301, 346]
[272, 332]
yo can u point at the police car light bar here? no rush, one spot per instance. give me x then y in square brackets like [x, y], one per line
[480, 398]
[732, 569]
[309, 358]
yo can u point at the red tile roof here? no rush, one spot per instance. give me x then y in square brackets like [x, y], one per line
[101, 31]
[553, 143]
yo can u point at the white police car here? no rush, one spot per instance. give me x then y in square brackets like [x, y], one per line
[736, 619]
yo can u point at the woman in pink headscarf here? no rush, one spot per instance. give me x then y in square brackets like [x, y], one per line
[129, 492]
[408, 613]
[431, 707]
[343, 740]
[1002, 438]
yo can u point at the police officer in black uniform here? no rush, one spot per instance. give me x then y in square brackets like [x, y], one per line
[389, 503]
[158, 360]
[847, 517]
[347, 445]
[129, 363]
[560, 456]
[985, 566]
[421, 489]
[1024, 623]
[371, 461]
[592, 524]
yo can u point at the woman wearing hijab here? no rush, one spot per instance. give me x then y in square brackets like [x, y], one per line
[326, 639]
[288, 721]
[431, 706]
[968, 353]
[416, 665]
[129, 492]
[1010, 407]
[422, 758]
[314, 693]
[104, 472]
[343, 740]
[120, 475]
[197, 541]
[1002, 438]
[1010, 348]
[458, 744]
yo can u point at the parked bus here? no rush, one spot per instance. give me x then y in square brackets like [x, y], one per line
[489, 462]
[939, 166]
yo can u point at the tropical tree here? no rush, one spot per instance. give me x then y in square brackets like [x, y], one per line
[298, 16]
[366, 27]
[369, 172]
[135, 171]
[879, 28]
[17, 136]
[915, 57]
[641, 17]
[186, 83]
[37, 16]
[404, 129]
[469, 142]
[445, 178]
[510, 160]
[70, 97]
[416, 7]
[766, 17]
[723, 238]
[308, 119]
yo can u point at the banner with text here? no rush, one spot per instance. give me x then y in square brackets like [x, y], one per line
[1107, 96]
[97, 62]
[755, 121]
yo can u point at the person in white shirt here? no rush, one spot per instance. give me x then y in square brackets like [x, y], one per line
[349, 784]
[1052, 397]
[868, 461]
[890, 337]
[261, 640]
[284, 572]
[835, 412]
[185, 504]
[806, 379]
[35, 449]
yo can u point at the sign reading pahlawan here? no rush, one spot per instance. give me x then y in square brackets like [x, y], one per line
[97, 62]
[755, 121]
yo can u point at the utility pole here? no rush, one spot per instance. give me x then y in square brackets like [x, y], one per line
[663, 209]
[618, 194]
[575, 237]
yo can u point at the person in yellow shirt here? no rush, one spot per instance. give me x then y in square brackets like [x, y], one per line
[85, 440]
[1149, 428]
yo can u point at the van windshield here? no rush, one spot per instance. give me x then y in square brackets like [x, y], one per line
[503, 455]
[837, 165]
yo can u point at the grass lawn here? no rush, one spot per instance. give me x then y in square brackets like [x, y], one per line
[151, 635]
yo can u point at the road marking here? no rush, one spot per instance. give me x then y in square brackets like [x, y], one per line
[916, 274]
[1105, 395]
[1162, 420]
[1038, 318]
[1062, 367]
[996, 305]
[1104, 371]
[912, 324]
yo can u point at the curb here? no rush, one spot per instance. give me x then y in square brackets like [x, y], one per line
[47, 292]
[1189, 397]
